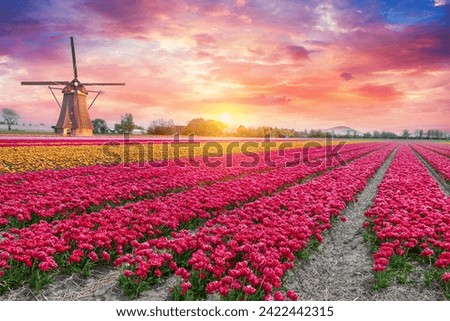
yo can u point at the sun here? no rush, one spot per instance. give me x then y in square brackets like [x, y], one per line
[226, 118]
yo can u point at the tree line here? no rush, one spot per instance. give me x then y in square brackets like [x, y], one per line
[406, 134]
[202, 127]
[209, 127]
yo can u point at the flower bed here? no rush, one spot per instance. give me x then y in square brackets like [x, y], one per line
[437, 160]
[244, 253]
[30, 197]
[80, 241]
[410, 220]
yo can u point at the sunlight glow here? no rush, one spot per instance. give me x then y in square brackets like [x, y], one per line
[226, 118]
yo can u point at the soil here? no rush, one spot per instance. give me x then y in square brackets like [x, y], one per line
[339, 270]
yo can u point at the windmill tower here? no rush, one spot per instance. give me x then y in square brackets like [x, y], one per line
[74, 115]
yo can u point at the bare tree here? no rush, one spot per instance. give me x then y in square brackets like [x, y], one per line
[10, 117]
[405, 134]
[420, 133]
[126, 125]
[161, 127]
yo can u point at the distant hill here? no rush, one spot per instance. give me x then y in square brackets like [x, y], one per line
[343, 130]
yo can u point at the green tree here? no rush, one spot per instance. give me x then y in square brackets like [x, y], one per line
[214, 128]
[317, 133]
[118, 128]
[201, 127]
[194, 126]
[385, 134]
[10, 117]
[99, 125]
[241, 131]
[127, 123]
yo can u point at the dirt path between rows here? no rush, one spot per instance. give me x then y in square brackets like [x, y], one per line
[341, 268]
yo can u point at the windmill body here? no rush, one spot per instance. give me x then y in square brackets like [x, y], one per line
[74, 117]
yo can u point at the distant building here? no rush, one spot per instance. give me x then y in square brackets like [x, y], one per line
[138, 132]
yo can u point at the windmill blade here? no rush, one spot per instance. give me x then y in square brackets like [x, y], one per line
[104, 84]
[44, 83]
[74, 59]
[54, 96]
[98, 93]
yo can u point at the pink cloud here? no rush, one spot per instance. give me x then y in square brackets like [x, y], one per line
[240, 3]
[346, 76]
[264, 100]
[378, 92]
[205, 41]
[133, 16]
[378, 48]
[438, 3]
[298, 52]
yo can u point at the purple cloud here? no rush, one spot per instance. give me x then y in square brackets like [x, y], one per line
[346, 76]
[298, 52]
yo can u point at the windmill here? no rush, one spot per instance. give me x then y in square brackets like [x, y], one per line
[74, 115]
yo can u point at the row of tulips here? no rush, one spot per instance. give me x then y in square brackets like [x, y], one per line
[80, 240]
[40, 157]
[410, 219]
[437, 160]
[66, 141]
[52, 141]
[244, 253]
[29, 197]
[443, 149]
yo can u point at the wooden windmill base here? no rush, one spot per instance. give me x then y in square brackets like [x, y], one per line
[74, 118]
[74, 132]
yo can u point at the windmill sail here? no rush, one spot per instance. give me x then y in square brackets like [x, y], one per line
[104, 84]
[74, 59]
[44, 83]
[74, 116]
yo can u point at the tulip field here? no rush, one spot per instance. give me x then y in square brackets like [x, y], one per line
[228, 228]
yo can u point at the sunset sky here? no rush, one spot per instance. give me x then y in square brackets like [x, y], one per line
[299, 64]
